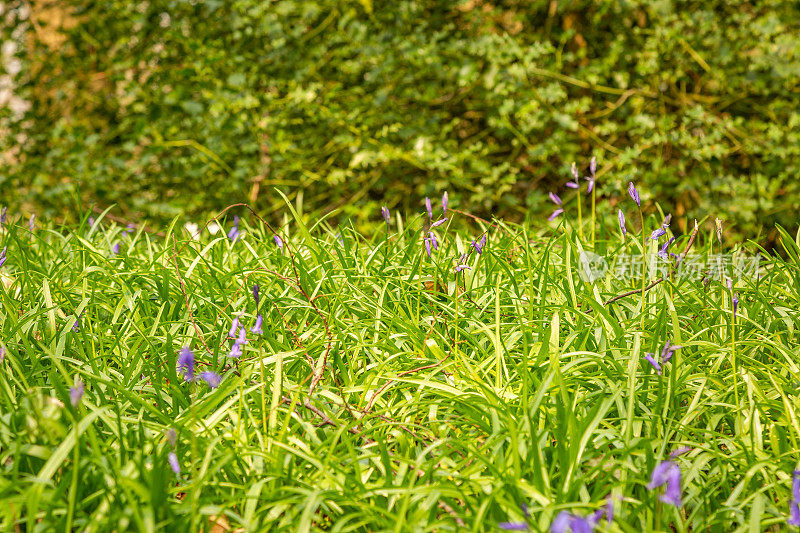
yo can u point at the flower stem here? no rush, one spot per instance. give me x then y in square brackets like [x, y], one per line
[644, 266]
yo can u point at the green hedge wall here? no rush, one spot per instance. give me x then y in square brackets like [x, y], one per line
[185, 106]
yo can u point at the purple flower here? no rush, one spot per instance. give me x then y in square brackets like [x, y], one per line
[438, 223]
[621, 217]
[91, 221]
[652, 361]
[555, 199]
[663, 253]
[659, 232]
[3, 256]
[566, 521]
[572, 185]
[480, 244]
[677, 452]
[234, 327]
[32, 223]
[794, 507]
[76, 393]
[385, 214]
[211, 378]
[593, 166]
[634, 193]
[255, 293]
[428, 246]
[444, 203]
[242, 336]
[434, 242]
[234, 233]
[667, 220]
[669, 473]
[429, 208]
[76, 327]
[513, 526]
[735, 301]
[459, 268]
[668, 351]
[257, 327]
[186, 363]
[279, 242]
[236, 351]
[173, 463]
[554, 214]
[115, 249]
[3, 215]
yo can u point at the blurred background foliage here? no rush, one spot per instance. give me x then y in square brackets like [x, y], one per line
[169, 107]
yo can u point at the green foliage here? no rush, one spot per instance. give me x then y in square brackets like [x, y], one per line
[174, 106]
[445, 401]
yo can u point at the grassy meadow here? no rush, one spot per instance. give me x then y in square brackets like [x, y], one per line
[489, 385]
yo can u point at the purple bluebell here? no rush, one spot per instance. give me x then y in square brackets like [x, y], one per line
[3, 256]
[555, 199]
[593, 166]
[735, 301]
[115, 249]
[130, 228]
[76, 393]
[668, 351]
[667, 220]
[677, 452]
[513, 526]
[428, 246]
[664, 252]
[173, 463]
[794, 507]
[434, 242]
[429, 208]
[621, 217]
[554, 214]
[76, 327]
[236, 351]
[669, 474]
[212, 379]
[634, 194]
[278, 242]
[650, 359]
[658, 232]
[255, 293]
[234, 327]
[242, 336]
[233, 234]
[438, 222]
[91, 222]
[186, 363]
[572, 185]
[32, 223]
[566, 521]
[459, 268]
[385, 214]
[3, 215]
[444, 203]
[257, 327]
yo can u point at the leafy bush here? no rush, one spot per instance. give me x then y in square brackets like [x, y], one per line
[174, 106]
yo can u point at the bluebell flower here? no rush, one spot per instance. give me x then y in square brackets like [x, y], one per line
[76, 327]
[634, 194]
[428, 246]
[592, 174]
[236, 351]
[794, 507]
[115, 249]
[3, 256]
[385, 214]
[459, 268]
[76, 393]
[278, 242]
[669, 474]
[429, 208]
[257, 327]
[173, 463]
[574, 171]
[621, 217]
[438, 223]
[255, 293]
[434, 242]
[680, 451]
[234, 327]
[664, 252]
[658, 232]
[212, 379]
[234, 233]
[652, 361]
[444, 203]
[735, 301]
[242, 336]
[554, 214]
[566, 521]
[554, 198]
[186, 363]
[516, 526]
[668, 351]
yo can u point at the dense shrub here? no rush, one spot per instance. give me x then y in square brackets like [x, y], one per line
[177, 106]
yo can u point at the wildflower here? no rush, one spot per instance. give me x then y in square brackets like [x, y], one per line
[385, 214]
[634, 194]
[663, 253]
[718, 224]
[236, 351]
[554, 214]
[115, 249]
[257, 327]
[173, 463]
[735, 301]
[428, 246]
[212, 379]
[669, 473]
[680, 451]
[255, 293]
[242, 336]
[434, 242]
[3, 256]
[621, 217]
[459, 268]
[278, 242]
[659, 232]
[668, 351]
[76, 327]
[76, 393]
[234, 327]
[438, 222]
[572, 185]
[444, 203]
[652, 361]
[480, 244]
[129, 228]
[667, 220]
[186, 363]
[794, 507]
[574, 171]
[234, 233]
[516, 526]
[32, 223]
[555, 199]
[429, 208]
[91, 220]
[566, 521]
[3, 215]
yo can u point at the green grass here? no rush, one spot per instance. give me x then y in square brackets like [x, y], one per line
[444, 402]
